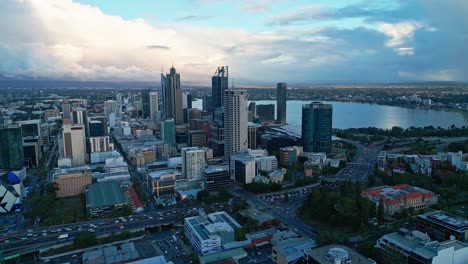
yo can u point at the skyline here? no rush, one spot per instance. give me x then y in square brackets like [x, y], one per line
[293, 42]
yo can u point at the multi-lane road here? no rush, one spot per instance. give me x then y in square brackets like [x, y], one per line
[14, 242]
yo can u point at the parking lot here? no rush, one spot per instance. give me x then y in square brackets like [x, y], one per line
[169, 244]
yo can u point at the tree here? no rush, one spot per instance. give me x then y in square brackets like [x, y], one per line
[239, 234]
[380, 210]
[85, 239]
[203, 196]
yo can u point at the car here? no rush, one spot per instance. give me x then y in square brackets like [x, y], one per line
[121, 227]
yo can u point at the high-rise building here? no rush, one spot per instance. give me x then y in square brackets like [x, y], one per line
[109, 107]
[219, 84]
[252, 131]
[168, 131]
[193, 163]
[154, 107]
[172, 96]
[145, 103]
[317, 127]
[74, 144]
[11, 147]
[66, 112]
[281, 97]
[235, 122]
[266, 112]
[80, 116]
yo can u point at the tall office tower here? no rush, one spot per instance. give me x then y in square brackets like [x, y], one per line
[252, 132]
[235, 122]
[109, 107]
[193, 163]
[31, 128]
[80, 116]
[145, 104]
[266, 112]
[219, 84]
[168, 131]
[186, 100]
[154, 106]
[32, 141]
[66, 112]
[208, 104]
[253, 108]
[281, 97]
[102, 125]
[172, 96]
[317, 127]
[11, 147]
[74, 144]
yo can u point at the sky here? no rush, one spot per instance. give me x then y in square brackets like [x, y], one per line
[262, 41]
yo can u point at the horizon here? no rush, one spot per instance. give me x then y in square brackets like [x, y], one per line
[262, 42]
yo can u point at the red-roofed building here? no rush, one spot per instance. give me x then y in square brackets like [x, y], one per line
[399, 197]
[136, 203]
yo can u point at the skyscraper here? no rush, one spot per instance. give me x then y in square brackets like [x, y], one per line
[168, 131]
[219, 84]
[193, 163]
[154, 106]
[317, 127]
[266, 112]
[172, 96]
[66, 112]
[281, 97]
[235, 122]
[74, 144]
[11, 147]
[145, 103]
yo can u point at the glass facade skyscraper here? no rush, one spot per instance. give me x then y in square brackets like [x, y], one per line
[317, 127]
[219, 84]
[11, 147]
[281, 97]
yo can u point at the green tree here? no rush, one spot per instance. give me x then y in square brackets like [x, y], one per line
[380, 210]
[239, 234]
[85, 239]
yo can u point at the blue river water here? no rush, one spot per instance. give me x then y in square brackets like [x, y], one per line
[355, 115]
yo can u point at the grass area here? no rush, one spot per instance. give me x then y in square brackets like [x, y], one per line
[66, 210]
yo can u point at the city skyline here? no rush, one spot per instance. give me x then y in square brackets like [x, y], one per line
[392, 41]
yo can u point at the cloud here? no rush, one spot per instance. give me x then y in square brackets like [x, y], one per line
[194, 18]
[161, 47]
[398, 33]
[421, 39]
[302, 14]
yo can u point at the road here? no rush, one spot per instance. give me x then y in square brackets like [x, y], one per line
[288, 219]
[14, 241]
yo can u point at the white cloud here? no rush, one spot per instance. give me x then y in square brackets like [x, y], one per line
[405, 51]
[398, 33]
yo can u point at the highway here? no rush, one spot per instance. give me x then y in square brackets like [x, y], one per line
[20, 241]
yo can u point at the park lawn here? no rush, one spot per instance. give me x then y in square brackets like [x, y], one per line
[67, 210]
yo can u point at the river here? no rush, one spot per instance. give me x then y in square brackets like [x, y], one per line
[355, 115]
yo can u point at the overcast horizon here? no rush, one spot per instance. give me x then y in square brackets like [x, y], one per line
[262, 42]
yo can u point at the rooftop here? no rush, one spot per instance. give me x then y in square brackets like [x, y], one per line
[432, 249]
[322, 254]
[294, 248]
[214, 222]
[233, 253]
[103, 194]
[258, 215]
[448, 220]
[395, 193]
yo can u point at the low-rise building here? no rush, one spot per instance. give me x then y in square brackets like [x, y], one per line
[396, 198]
[335, 254]
[216, 177]
[417, 247]
[162, 183]
[288, 155]
[291, 250]
[245, 166]
[72, 181]
[277, 176]
[209, 232]
[104, 197]
[442, 226]
[11, 192]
